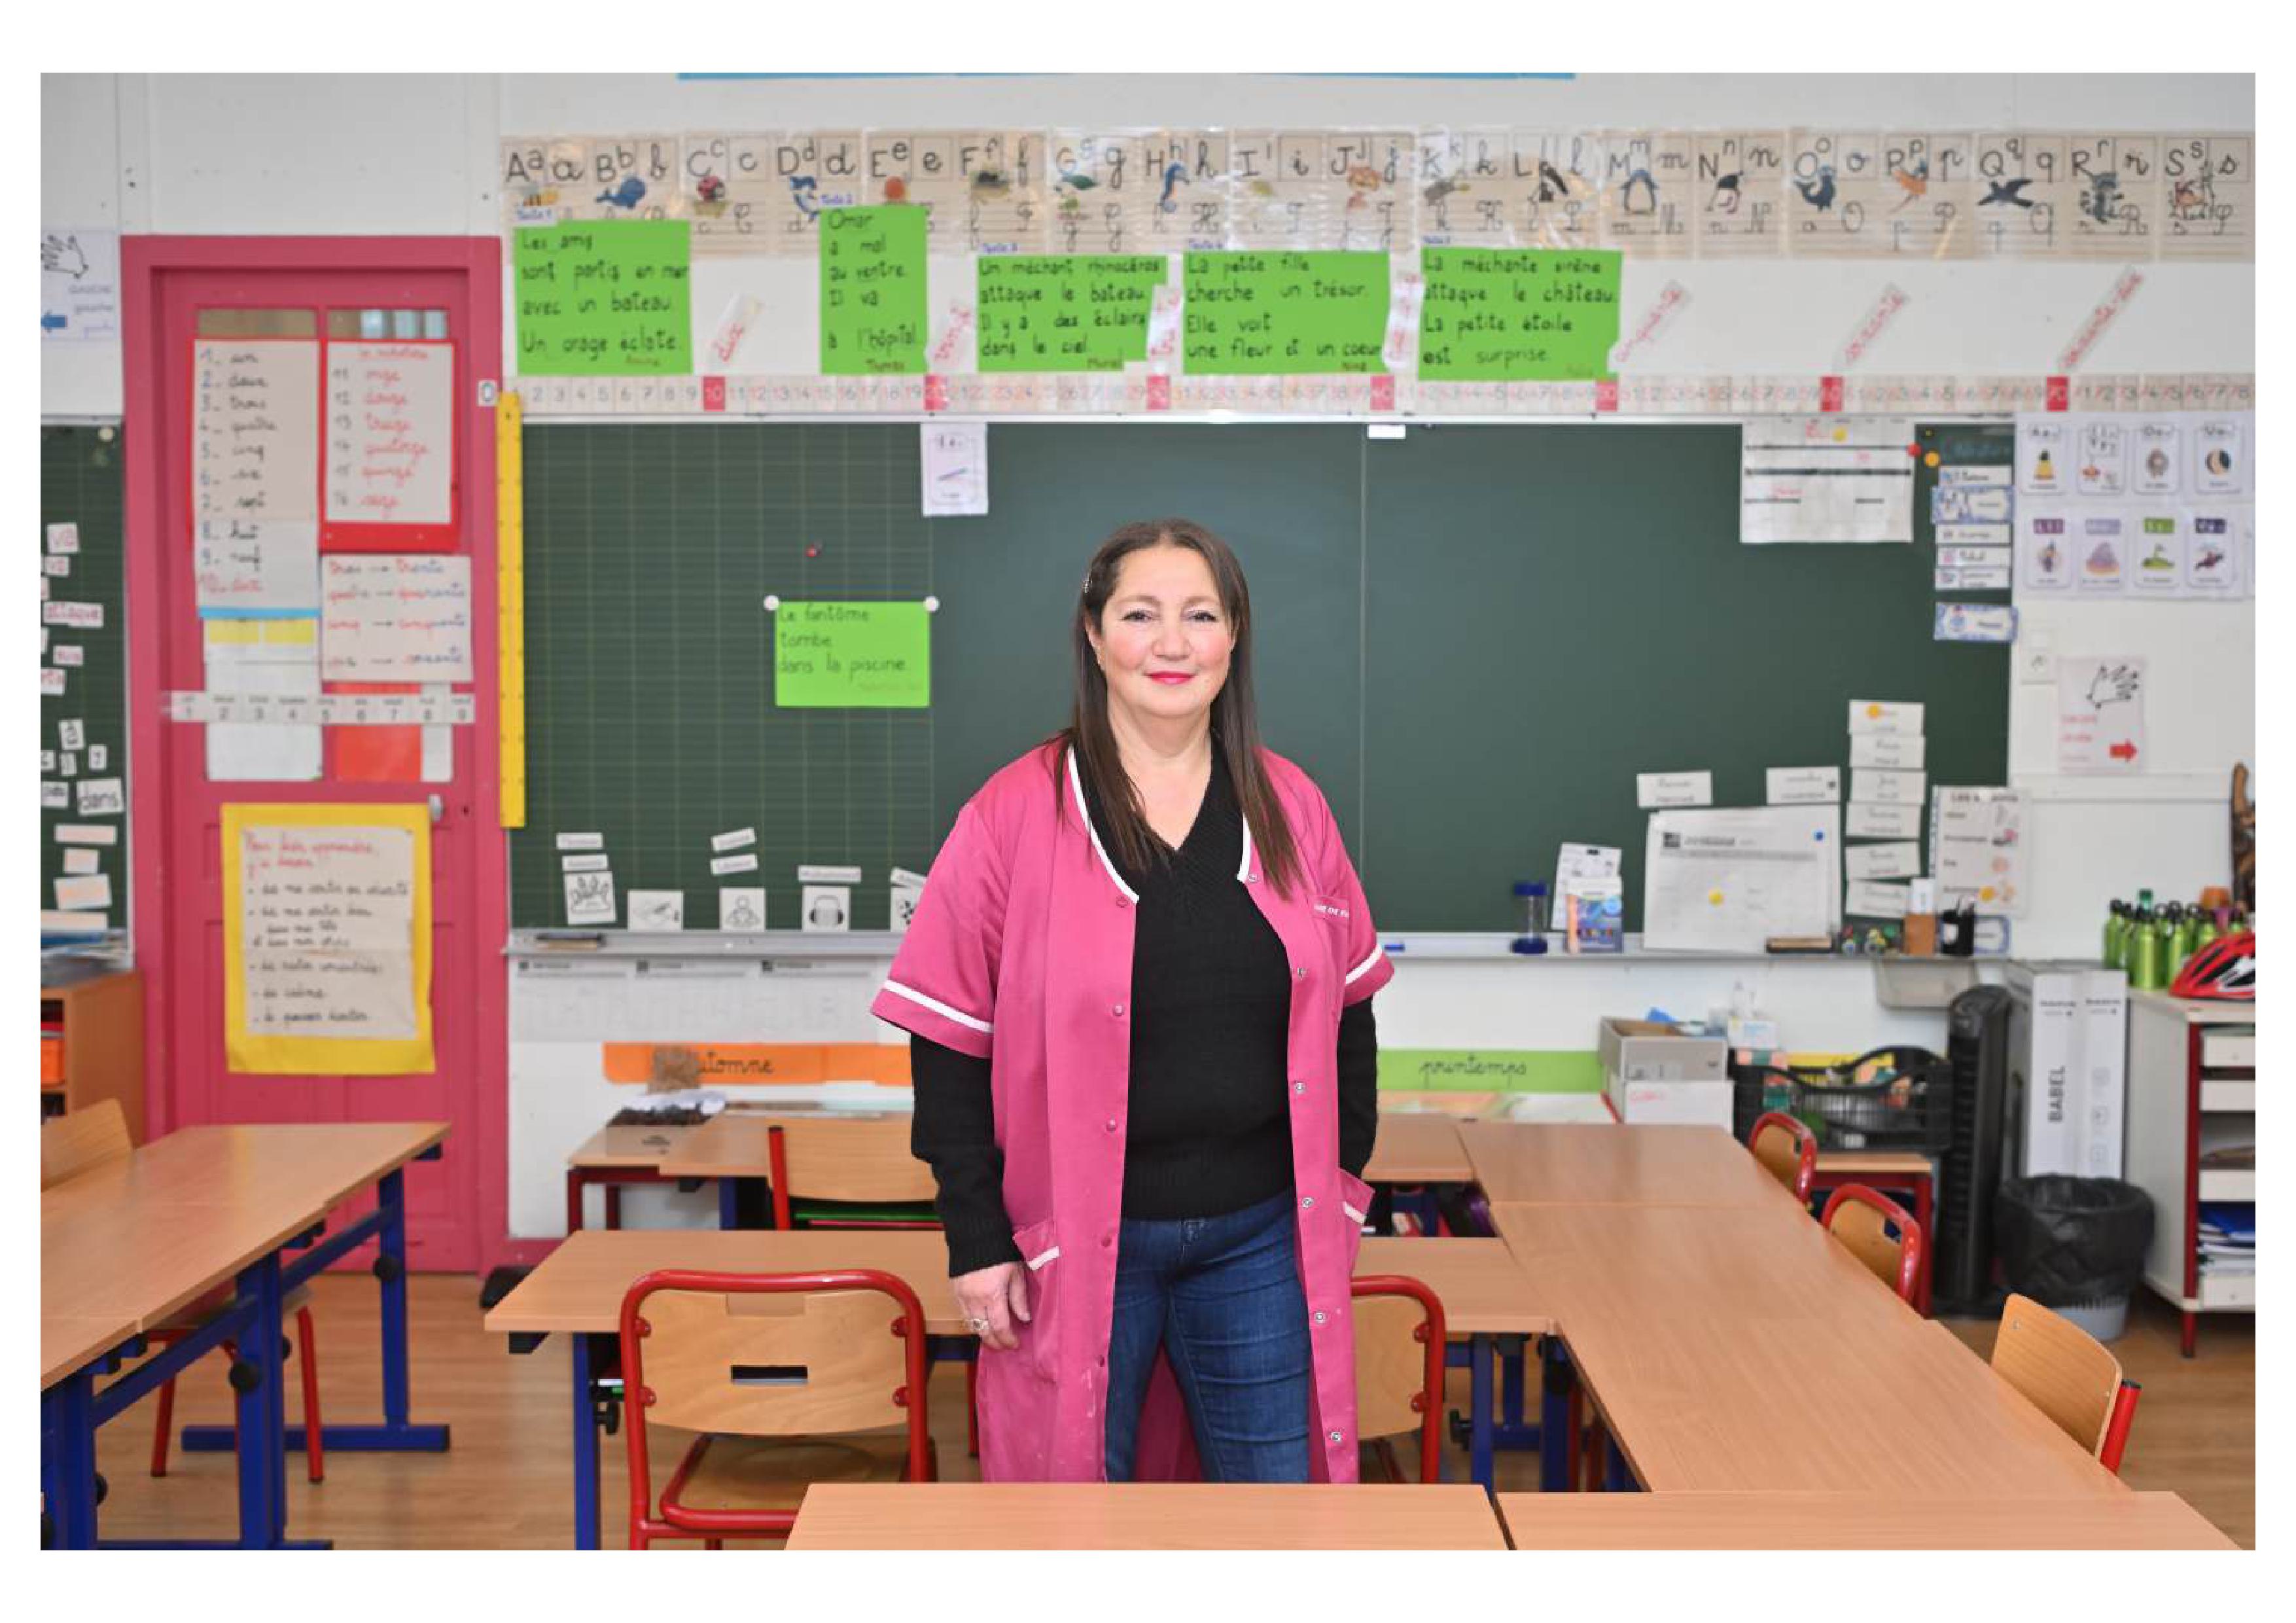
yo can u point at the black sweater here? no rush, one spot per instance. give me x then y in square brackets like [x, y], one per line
[1207, 1128]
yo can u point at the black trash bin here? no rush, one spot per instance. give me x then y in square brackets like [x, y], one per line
[2074, 1244]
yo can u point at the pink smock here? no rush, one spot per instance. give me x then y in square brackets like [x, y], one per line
[1021, 954]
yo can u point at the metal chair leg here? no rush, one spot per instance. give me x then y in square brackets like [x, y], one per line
[307, 1349]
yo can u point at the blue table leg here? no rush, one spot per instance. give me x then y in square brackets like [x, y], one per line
[256, 1376]
[68, 1422]
[585, 1446]
[1479, 1403]
[1616, 1478]
[729, 1203]
[1555, 1418]
[388, 1225]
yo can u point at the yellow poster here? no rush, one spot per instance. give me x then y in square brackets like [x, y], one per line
[327, 939]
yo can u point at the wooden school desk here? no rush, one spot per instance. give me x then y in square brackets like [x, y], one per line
[1144, 1516]
[578, 1292]
[1574, 1164]
[1852, 1522]
[734, 1147]
[1743, 1350]
[1410, 1102]
[127, 1244]
[1418, 1148]
[614, 1156]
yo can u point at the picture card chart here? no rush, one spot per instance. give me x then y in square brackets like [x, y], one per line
[1978, 848]
[1321, 189]
[2158, 505]
[390, 444]
[327, 938]
[255, 473]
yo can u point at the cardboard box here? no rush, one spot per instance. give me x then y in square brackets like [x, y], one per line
[2069, 1053]
[1653, 1073]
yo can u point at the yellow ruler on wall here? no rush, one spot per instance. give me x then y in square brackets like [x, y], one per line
[510, 600]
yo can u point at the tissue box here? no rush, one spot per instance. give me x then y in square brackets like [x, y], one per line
[1655, 1073]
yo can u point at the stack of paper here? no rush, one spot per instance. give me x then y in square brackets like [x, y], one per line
[2227, 1237]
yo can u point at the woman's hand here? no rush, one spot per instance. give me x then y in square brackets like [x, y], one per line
[998, 1294]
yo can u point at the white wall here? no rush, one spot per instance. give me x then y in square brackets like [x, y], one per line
[360, 155]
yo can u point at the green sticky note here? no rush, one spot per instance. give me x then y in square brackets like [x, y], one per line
[852, 656]
[1491, 1071]
[604, 298]
[1064, 312]
[1518, 313]
[1285, 312]
[872, 290]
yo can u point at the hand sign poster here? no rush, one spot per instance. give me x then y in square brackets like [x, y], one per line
[2101, 714]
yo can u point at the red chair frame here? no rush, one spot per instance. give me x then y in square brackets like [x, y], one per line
[713, 1525]
[1909, 1232]
[1430, 1330]
[307, 1350]
[2116, 1429]
[1805, 1147]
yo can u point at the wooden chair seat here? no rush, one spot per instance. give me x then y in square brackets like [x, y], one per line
[770, 1473]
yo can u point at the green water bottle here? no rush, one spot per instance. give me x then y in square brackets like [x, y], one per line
[2145, 951]
[2208, 934]
[2188, 936]
[2116, 929]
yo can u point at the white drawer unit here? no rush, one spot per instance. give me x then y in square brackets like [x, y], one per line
[2192, 1088]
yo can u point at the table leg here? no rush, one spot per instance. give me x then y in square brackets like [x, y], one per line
[585, 1445]
[1616, 1478]
[1479, 1403]
[575, 1183]
[1557, 1382]
[729, 1203]
[68, 1424]
[257, 1374]
[1925, 1210]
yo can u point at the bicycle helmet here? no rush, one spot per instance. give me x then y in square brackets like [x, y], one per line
[2224, 968]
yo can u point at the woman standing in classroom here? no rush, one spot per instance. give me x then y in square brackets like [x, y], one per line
[1138, 990]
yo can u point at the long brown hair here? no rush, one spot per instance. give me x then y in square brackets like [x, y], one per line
[1235, 714]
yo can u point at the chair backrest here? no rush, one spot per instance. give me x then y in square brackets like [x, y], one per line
[1398, 1335]
[854, 1158]
[772, 1355]
[89, 1136]
[1787, 1149]
[2066, 1374]
[1879, 1233]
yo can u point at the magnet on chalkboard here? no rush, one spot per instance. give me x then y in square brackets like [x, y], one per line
[813, 549]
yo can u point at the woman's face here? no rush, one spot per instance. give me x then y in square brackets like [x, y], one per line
[1164, 638]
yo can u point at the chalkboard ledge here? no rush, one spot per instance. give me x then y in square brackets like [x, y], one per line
[708, 944]
[1410, 946]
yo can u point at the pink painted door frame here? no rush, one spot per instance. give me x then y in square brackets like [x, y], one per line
[457, 1216]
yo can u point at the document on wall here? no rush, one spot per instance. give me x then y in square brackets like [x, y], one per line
[955, 469]
[391, 433]
[1826, 479]
[1978, 848]
[396, 617]
[1727, 881]
[263, 659]
[327, 938]
[2101, 714]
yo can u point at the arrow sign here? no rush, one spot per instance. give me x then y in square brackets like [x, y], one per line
[50, 322]
[2123, 751]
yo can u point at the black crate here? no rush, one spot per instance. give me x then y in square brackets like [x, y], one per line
[1905, 1106]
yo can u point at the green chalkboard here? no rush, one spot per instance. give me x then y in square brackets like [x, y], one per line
[1472, 638]
[81, 484]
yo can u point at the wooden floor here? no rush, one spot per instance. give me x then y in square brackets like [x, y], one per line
[505, 1482]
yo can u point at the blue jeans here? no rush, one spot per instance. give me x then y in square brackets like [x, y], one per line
[1221, 1295]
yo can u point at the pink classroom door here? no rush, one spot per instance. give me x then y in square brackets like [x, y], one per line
[331, 305]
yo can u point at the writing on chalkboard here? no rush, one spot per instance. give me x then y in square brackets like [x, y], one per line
[1508, 314]
[873, 291]
[1285, 312]
[855, 656]
[1065, 313]
[604, 298]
